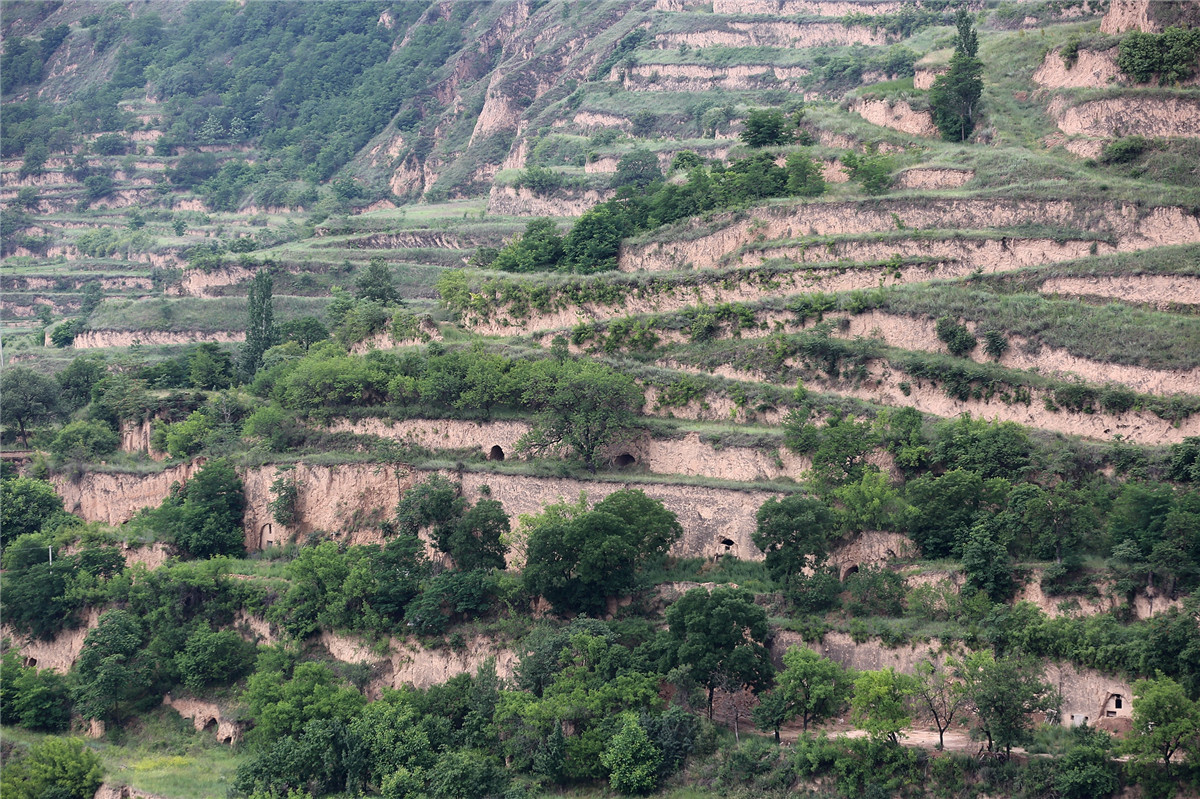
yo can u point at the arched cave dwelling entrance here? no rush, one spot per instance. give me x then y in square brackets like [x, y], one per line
[849, 571]
[264, 536]
[1116, 705]
[211, 726]
[729, 544]
[30, 663]
[496, 453]
[624, 460]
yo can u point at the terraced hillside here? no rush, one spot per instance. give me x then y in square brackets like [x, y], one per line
[324, 315]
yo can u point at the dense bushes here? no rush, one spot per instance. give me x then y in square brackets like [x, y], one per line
[1170, 55]
[593, 243]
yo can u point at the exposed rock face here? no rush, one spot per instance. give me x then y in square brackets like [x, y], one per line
[1124, 116]
[897, 115]
[1092, 70]
[772, 34]
[349, 501]
[700, 78]
[511, 201]
[924, 76]
[1128, 15]
[205, 716]
[1161, 291]
[59, 653]
[819, 8]
[933, 178]
[1141, 427]
[135, 437]
[92, 339]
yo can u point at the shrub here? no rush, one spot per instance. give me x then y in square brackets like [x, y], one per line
[85, 440]
[957, 338]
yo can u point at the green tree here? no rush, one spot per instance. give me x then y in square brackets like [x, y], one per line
[208, 519]
[987, 564]
[954, 97]
[632, 759]
[804, 176]
[61, 768]
[814, 687]
[637, 169]
[25, 505]
[76, 381]
[766, 127]
[589, 406]
[880, 703]
[1005, 692]
[213, 657]
[376, 284]
[112, 668]
[283, 706]
[719, 638]
[1165, 721]
[578, 558]
[260, 323]
[37, 700]
[30, 398]
[795, 533]
[85, 440]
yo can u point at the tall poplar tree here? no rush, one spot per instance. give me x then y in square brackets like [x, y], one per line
[955, 95]
[260, 324]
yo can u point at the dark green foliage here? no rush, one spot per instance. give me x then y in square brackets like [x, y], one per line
[283, 704]
[719, 638]
[1170, 55]
[450, 596]
[1185, 460]
[30, 398]
[42, 598]
[85, 440]
[957, 338]
[991, 449]
[1005, 692]
[947, 506]
[577, 558]
[954, 97]
[875, 591]
[260, 324]
[637, 169]
[35, 699]
[113, 668]
[587, 408]
[467, 774]
[376, 284]
[470, 535]
[204, 517]
[795, 533]
[26, 505]
[539, 249]
[987, 564]
[305, 331]
[55, 768]
[872, 170]
[766, 127]
[213, 657]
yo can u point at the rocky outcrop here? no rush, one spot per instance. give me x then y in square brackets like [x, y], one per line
[135, 437]
[1161, 291]
[1092, 69]
[701, 78]
[772, 33]
[1139, 427]
[1086, 693]
[348, 502]
[60, 652]
[1128, 15]
[207, 716]
[93, 339]
[897, 115]
[512, 201]
[1126, 116]
[819, 8]
[928, 177]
